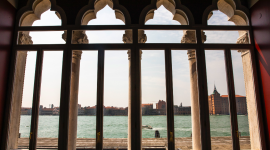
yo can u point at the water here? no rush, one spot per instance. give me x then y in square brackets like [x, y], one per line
[116, 126]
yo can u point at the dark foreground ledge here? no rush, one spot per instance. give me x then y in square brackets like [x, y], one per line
[218, 143]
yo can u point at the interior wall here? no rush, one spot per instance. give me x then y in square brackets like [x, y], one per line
[7, 18]
[260, 18]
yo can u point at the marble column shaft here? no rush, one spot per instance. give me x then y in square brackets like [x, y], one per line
[190, 37]
[127, 38]
[250, 94]
[79, 37]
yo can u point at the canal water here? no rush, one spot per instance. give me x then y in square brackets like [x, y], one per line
[116, 126]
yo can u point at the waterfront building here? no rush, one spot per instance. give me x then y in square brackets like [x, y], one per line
[219, 104]
[161, 104]
[182, 110]
[26, 111]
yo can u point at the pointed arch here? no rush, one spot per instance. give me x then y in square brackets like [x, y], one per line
[179, 15]
[230, 9]
[32, 12]
[89, 12]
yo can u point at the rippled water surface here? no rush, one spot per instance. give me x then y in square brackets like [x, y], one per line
[116, 126]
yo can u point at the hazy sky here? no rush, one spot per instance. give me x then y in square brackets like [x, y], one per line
[116, 63]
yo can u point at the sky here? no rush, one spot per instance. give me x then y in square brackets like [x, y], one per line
[116, 63]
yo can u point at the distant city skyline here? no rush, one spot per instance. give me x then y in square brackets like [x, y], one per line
[116, 64]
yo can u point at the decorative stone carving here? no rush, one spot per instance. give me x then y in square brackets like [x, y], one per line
[142, 38]
[127, 37]
[190, 37]
[25, 38]
[78, 37]
[244, 39]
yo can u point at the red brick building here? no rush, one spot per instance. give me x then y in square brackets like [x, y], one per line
[219, 104]
[161, 104]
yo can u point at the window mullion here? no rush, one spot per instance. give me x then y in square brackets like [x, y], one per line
[203, 94]
[100, 100]
[232, 101]
[169, 99]
[36, 101]
[65, 95]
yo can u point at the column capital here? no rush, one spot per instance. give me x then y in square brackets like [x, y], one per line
[142, 38]
[78, 37]
[243, 39]
[25, 38]
[190, 37]
[128, 38]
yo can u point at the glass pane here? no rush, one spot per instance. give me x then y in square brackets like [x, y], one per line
[48, 123]
[154, 121]
[181, 65]
[105, 36]
[40, 37]
[164, 36]
[116, 85]
[241, 98]
[227, 37]
[86, 121]
[220, 123]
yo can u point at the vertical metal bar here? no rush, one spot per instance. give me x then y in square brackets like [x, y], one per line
[36, 100]
[100, 100]
[65, 96]
[135, 113]
[231, 98]
[203, 95]
[169, 98]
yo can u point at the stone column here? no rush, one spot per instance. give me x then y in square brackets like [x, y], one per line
[190, 37]
[127, 38]
[250, 94]
[78, 37]
[18, 85]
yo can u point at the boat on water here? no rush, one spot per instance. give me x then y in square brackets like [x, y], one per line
[146, 127]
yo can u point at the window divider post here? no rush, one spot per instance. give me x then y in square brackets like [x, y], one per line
[36, 101]
[65, 95]
[231, 99]
[100, 100]
[169, 99]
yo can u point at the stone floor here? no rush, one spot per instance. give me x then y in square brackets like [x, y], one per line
[218, 143]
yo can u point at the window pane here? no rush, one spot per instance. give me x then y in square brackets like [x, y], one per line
[240, 95]
[116, 85]
[48, 123]
[227, 37]
[86, 121]
[154, 121]
[181, 64]
[220, 123]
